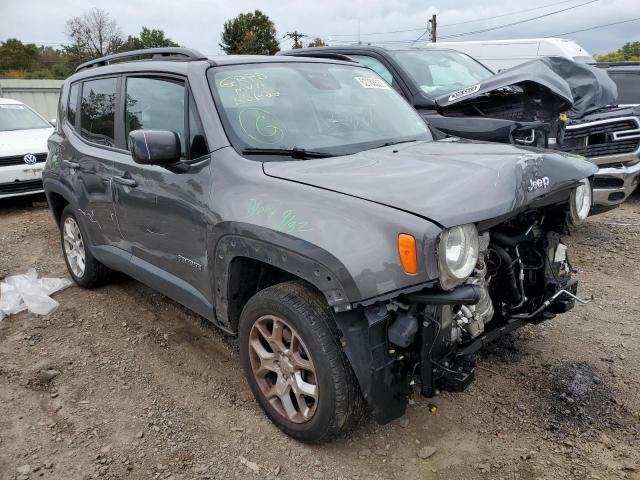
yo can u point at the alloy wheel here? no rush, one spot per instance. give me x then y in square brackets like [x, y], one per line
[283, 368]
[74, 247]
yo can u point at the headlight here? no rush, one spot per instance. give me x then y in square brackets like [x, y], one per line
[457, 254]
[580, 202]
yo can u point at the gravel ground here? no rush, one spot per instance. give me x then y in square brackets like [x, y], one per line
[121, 382]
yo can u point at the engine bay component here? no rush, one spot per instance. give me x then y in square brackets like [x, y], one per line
[402, 331]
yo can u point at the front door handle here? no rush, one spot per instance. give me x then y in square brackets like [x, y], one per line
[71, 164]
[129, 182]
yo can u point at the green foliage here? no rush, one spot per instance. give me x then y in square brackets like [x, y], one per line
[148, 38]
[18, 60]
[629, 52]
[250, 33]
[15, 55]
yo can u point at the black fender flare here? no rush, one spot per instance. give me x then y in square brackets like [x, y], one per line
[291, 254]
[53, 185]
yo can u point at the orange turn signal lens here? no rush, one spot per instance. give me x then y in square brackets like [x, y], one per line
[408, 254]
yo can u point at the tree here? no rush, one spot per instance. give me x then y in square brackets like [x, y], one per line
[250, 33]
[148, 38]
[15, 55]
[630, 51]
[317, 42]
[93, 34]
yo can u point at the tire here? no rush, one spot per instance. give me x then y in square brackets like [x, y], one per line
[93, 273]
[313, 342]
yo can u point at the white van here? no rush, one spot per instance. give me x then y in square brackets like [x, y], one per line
[502, 54]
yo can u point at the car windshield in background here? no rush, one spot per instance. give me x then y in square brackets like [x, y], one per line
[18, 117]
[438, 72]
[584, 59]
[628, 87]
[313, 107]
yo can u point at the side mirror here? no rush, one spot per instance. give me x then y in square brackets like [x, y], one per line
[154, 147]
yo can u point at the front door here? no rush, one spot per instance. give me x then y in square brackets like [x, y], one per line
[161, 211]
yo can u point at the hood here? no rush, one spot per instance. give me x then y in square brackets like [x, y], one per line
[450, 182]
[560, 83]
[21, 142]
[528, 78]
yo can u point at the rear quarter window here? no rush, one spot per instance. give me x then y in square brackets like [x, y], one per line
[72, 106]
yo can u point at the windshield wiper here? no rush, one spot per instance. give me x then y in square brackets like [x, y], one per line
[388, 144]
[295, 152]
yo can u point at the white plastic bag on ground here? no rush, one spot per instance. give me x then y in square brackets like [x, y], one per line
[28, 292]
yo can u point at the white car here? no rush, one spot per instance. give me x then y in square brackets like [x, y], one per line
[23, 148]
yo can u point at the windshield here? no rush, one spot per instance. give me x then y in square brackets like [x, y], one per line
[438, 72]
[628, 87]
[320, 107]
[14, 116]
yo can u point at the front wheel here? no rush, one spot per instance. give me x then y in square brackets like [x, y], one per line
[295, 366]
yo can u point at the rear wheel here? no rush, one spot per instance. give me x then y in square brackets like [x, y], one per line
[294, 363]
[85, 270]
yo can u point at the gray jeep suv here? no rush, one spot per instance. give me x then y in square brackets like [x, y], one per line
[302, 205]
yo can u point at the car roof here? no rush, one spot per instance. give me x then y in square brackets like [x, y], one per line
[10, 101]
[181, 66]
[356, 48]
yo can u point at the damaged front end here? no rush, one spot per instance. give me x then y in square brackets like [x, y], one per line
[520, 274]
[527, 104]
[526, 113]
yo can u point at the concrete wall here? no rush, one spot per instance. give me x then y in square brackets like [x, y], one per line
[41, 95]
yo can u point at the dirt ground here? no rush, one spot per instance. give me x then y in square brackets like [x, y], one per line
[146, 390]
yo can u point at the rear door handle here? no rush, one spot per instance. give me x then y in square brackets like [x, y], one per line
[129, 182]
[71, 164]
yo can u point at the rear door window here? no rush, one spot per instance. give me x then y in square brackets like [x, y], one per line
[98, 110]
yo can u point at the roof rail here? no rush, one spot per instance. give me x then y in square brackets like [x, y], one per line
[165, 53]
[308, 53]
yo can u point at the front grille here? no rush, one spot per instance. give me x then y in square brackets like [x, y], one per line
[19, 159]
[608, 182]
[20, 187]
[599, 139]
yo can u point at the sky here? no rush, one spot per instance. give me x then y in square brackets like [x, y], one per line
[198, 23]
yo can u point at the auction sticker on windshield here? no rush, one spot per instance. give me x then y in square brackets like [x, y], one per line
[464, 93]
[371, 82]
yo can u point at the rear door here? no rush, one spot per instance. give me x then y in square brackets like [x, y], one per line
[161, 211]
[87, 154]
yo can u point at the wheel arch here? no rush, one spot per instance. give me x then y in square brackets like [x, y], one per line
[58, 197]
[247, 263]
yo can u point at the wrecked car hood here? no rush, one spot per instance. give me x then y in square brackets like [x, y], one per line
[566, 86]
[450, 182]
